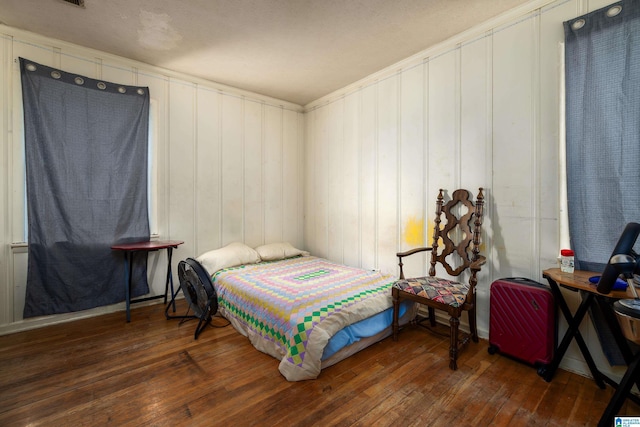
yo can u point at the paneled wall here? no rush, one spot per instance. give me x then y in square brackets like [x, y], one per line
[227, 165]
[481, 110]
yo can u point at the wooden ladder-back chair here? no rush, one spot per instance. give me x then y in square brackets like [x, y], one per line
[464, 225]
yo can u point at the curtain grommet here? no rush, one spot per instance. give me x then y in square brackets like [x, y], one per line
[614, 11]
[578, 24]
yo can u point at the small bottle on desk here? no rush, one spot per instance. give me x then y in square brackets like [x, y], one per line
[566, 260]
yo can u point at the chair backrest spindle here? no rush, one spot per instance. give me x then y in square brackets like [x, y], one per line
[477, 230]
[463, 228]
[436, 233]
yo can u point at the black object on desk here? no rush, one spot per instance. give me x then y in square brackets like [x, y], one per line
[129, 249]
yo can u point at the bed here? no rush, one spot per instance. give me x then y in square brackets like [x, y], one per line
[305, 311]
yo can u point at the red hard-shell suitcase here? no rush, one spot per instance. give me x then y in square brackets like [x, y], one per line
[522, 322]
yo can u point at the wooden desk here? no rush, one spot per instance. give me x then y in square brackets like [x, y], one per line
[579, 281]
[129, 249]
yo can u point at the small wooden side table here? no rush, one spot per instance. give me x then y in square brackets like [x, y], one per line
[129, 249]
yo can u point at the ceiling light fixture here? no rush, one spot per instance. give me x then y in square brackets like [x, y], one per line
[79, 3]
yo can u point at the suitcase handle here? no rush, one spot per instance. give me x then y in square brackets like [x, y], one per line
[525, 280]
[519, 279]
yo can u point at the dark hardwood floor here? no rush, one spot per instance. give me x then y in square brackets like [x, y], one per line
[104, 371]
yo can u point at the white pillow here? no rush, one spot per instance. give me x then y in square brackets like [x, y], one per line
[232, 255]
[277, 251]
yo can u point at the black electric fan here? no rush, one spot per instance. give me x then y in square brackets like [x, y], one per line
[198, 291]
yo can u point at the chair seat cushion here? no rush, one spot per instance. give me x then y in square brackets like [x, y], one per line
[434, 288]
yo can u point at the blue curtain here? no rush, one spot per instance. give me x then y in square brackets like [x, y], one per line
[86, 145]
[602, 65]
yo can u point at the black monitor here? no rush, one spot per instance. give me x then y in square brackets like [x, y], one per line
[623, 247]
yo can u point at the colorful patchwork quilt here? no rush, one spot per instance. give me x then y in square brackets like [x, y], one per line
[291, 308]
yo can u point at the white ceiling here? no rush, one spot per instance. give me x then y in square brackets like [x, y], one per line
[294, 50]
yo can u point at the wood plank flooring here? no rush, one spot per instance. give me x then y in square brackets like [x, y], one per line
[104, 371]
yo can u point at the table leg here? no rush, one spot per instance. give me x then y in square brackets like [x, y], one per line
[128, 263]
[169, 281]
[621, 393]
[572, 332]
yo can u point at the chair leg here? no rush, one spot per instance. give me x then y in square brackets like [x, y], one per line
[396, 309]
[454, 322]
[473, 328]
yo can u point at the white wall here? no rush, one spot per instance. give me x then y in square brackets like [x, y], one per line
[227, 164]
[480, 110]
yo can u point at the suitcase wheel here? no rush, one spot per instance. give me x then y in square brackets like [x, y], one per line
[492, 349]
[543, 371]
